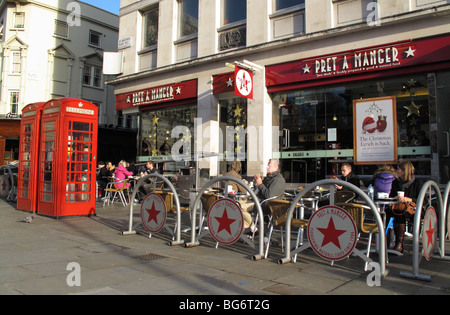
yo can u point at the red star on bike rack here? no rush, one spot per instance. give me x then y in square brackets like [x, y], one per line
[331, 234]
[153, 214]
[224, 222]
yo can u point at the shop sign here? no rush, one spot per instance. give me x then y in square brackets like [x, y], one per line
[375, 130]
[366, 60]
[156, 95]
[244, 83]
[223, 83]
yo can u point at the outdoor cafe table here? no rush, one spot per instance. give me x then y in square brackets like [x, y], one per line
[381, 205]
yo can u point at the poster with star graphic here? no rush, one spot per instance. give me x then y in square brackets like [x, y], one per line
[375, 130]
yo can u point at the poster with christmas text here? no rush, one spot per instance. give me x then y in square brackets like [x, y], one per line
[375, 130]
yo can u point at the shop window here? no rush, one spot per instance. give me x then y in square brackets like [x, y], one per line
[317, 126]
[233, 126]
[167, 132]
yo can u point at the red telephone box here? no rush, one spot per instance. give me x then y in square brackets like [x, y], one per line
[67, 158]
[29, 156]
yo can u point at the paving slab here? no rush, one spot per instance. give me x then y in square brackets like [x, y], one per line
[34, 259]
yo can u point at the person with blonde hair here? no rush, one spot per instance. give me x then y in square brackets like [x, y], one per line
[411, 186]
[122, 173]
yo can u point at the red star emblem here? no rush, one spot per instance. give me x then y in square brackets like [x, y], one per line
[331, 235]
[152, 214]
[4, 186]
[224, 222]
[430, 233]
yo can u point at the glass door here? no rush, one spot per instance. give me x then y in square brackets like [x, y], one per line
[79, 162]
[47, 174]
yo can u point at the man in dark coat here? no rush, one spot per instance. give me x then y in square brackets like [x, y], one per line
[272, 185]
[348, 176]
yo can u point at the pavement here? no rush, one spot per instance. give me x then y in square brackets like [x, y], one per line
[35, 259]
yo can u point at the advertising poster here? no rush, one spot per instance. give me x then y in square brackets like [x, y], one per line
[375, 130]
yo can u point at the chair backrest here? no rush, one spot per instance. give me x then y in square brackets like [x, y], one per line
[356, 211]
[279, 209]
[168, 199]
[208, 200]
[344, 196]
[124, 184]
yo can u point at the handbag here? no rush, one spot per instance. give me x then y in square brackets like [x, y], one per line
[404, 207]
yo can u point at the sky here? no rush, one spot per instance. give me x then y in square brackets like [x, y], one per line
[112, 6]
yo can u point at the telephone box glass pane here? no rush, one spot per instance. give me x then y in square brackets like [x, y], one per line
[47, 161]
[79, 162]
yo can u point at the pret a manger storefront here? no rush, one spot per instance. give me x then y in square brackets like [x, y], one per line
[303, 109]
[320, 96]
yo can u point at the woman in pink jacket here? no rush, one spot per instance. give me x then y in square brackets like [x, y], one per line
[122, 173]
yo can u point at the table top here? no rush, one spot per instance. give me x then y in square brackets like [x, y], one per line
[387, 201]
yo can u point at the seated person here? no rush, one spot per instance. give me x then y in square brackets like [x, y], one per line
[234, 172]
[385, 180]
[272, 185]
[121, 174]
[103, 176]
[148, 169]
[348, 176]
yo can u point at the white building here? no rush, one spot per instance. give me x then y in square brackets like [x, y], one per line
[52, 49]
[317, 58]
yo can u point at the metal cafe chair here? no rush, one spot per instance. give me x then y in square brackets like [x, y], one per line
[111, 192]
[356, 211]
[278, 215]
[167, 196]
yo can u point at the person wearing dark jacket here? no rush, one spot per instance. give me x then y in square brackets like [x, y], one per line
[348, 176]
[103, 176]
[411, 186]
[272, 185]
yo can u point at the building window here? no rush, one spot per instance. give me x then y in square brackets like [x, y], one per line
[233, 32]
[16, 65]
[95, 38]
[14, 102]
[233, 11]
[19, 20]
[188, 11]
[61, 29]
[92, 76]
[283, 4]
[151, 18]
[1, 29]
